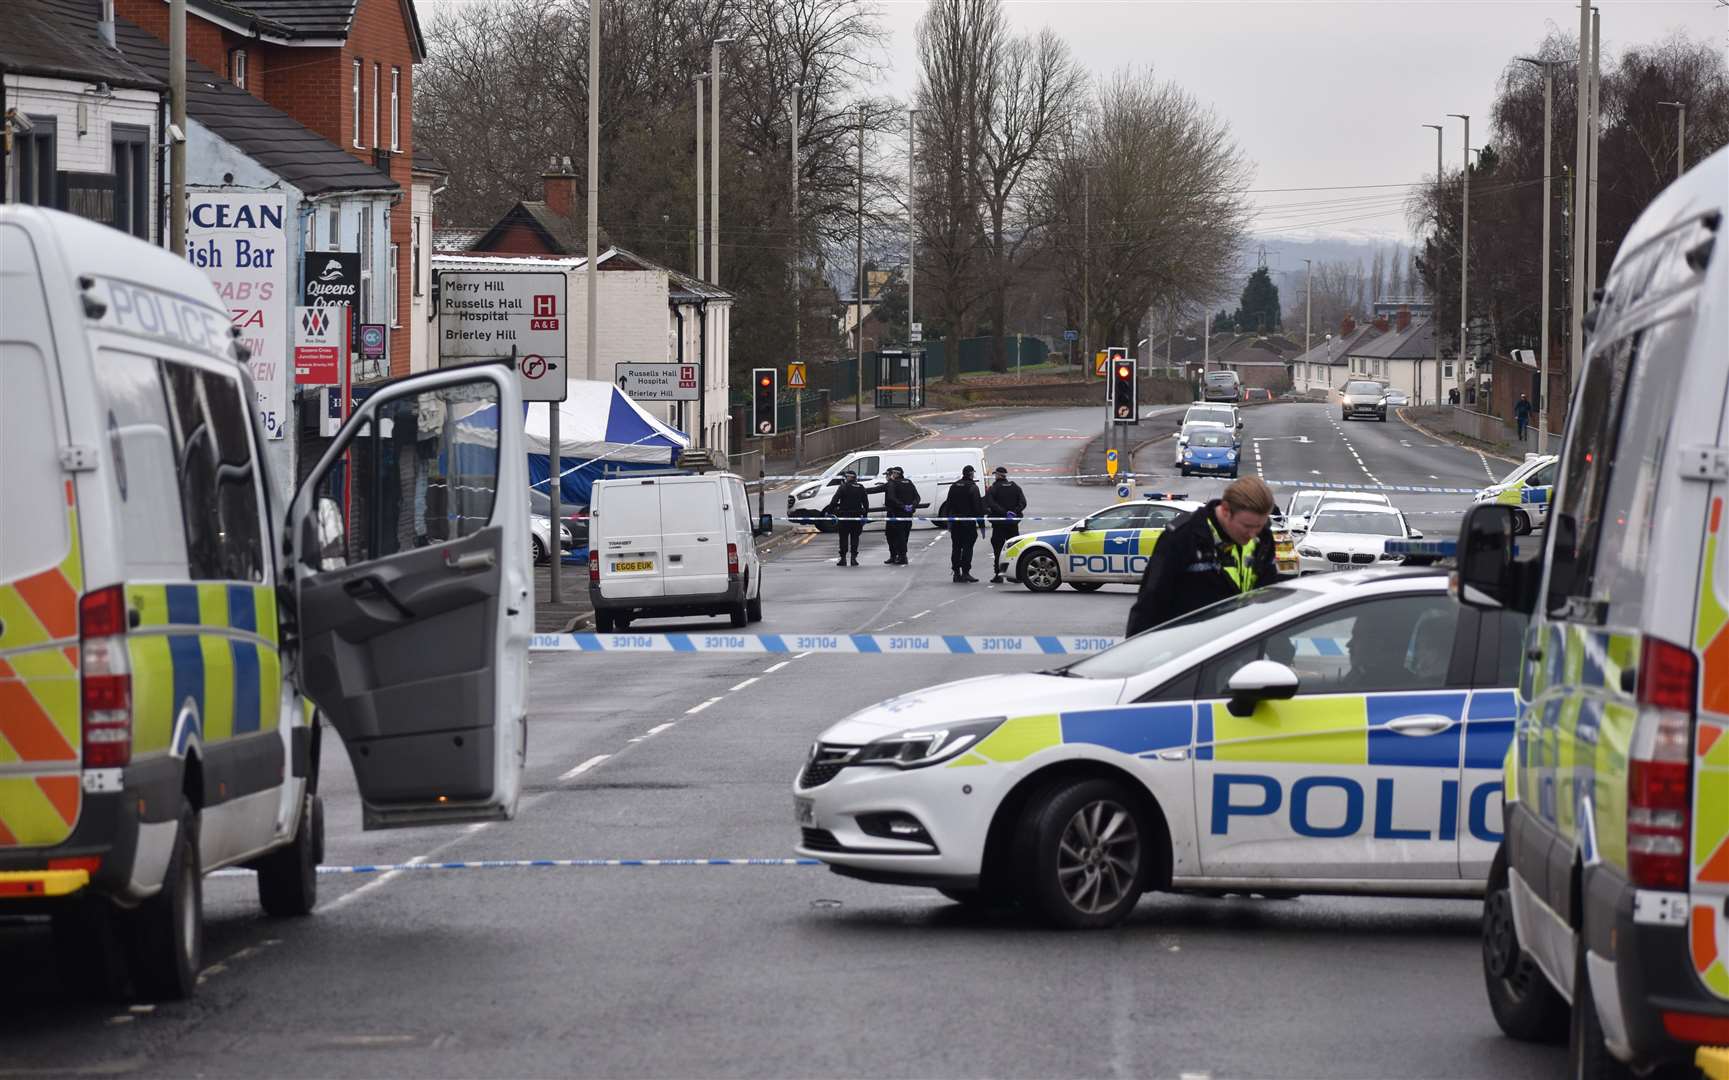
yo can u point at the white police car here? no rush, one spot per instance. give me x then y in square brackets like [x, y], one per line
[1109, 546]
[1335, 734]
[1528, 489]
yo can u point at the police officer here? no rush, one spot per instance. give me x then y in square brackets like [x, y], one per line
[1006, 504]
[1223, 549]
[963, 508]
[901, 500]
[850, 503]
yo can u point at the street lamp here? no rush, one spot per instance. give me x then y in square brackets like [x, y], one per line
[1548, 67]
[1680, 108]
[1464, 260]
[912, 221]
[697, 82]
[1434, 301]
[714, 133]
[797, 287]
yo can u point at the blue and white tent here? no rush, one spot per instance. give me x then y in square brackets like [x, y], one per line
[601, 433]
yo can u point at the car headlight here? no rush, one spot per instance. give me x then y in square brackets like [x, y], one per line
[925, 745]
[1230, 455]
[564, 531]
[1308, 552]
[807, 492]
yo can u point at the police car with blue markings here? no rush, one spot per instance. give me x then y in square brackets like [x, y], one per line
[1334, 734]
[1109, 546]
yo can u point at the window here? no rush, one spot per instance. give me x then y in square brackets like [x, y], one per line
[1394, 644]
[395, 260]
[37, 161]
[377, 72]
[132, 180]
[237, 67]
[141, 442]
[396, 109]
[213, 447]
[414, 253]
[1187, 635]
[1133, 516]
[355, 95]
[1447, 369]
[365, 248]
[1579, 517]
[333, 227]
[427, 471]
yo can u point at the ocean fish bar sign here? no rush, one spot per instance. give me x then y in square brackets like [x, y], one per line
[238, 239]
[492, 315]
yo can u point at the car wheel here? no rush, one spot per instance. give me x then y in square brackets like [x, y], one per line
[538, 548]
[1525, 1005]
[1588, 1056]
[621, 623]
[288, 877]
[604, 622]
[753, 606]
[1185, 470]
[1039, 571]
[1086, 586]
[1083, 854]
[1521, 523]
[1233, 474]
[166, 932]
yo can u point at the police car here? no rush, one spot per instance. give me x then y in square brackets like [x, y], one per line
[1334, 734]
[1527, 489]
[1109, 546]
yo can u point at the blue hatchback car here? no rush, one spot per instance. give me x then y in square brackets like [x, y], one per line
[1211, 452]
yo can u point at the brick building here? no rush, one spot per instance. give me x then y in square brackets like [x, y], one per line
[345, 70]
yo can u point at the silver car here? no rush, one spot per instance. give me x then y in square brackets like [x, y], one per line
[1363, 397]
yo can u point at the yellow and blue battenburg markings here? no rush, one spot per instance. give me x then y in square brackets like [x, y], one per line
[213, 645]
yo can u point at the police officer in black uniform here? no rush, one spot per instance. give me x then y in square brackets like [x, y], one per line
[963, 508]
[850, 504]
[901, 500]
[1221, 550]
[1006, 504]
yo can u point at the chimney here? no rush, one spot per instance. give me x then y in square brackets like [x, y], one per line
[558, 185]
[1381, 323]
[105, 22]
[1404, 317]
[1346, 326]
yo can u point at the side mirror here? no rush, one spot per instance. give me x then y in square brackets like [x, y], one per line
[1416, 534]
[1488, 577]
[764, 525]
[1258, 681]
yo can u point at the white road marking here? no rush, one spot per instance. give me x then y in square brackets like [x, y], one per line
[1485, 460]
[801, 656]
[744, 684]
[772, 668]
[889, 626]
[922, 614]
[384, 878]
[658, 728]
[694, 709]
[574, 773]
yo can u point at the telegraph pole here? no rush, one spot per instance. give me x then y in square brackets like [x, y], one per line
[858, 369]
[1548, 67]
[1581, 166]
[699, 149]
[1464, 264]
[797, 292]
[177, 113]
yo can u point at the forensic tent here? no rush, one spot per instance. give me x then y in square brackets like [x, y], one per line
[602, 433]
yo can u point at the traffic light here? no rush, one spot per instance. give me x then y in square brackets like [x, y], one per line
[1123, 410]
[762, 401]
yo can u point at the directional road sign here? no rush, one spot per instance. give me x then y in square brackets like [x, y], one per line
[1111, 462]
[660, 382]
[1071, 335]
[497, 314]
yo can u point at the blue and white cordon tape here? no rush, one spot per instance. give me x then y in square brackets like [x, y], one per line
[1412, 489]
[535, 864]
[854, 644]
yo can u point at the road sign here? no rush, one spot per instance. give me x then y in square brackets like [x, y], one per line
[1126, 489]
[795, 377]
[660, 382]
[916, 333]
[1111, 462]
[496, 314]
[372, 339]
[1101, 361]
[1071, 335]
[319, 334]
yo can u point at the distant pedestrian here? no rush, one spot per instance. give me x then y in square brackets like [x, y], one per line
[1522, 415]
[1453, 396]
[849, 504]
[1222, 550]
[1006, 504]
[962, 509]
[901, 500]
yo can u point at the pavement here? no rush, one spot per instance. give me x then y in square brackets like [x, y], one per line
[777, 970]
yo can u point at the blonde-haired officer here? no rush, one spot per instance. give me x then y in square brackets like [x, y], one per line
[1223, 549]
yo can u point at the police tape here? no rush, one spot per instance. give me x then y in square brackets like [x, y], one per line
[1407, 489]
[534, 864]
[849, 644]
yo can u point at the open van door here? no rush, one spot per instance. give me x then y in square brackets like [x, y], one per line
[409, 554]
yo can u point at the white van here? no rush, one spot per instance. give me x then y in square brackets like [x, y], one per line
[1607, 917]
[164, 628]
[931, 471]
[662, 546]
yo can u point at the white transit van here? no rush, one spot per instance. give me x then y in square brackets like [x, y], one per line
[931, 470]
[1607, 916]
[164, 627]
[662, 546]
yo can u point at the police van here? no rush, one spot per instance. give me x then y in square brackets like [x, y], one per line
[1529, 489]
[1110, 546]
[1332, 734]
[166, 624]
[1606, 919]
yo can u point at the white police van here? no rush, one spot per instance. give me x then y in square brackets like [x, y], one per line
[1334, 734]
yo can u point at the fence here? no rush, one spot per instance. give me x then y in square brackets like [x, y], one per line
[1492, 429]
[748, 464]
[832, 442]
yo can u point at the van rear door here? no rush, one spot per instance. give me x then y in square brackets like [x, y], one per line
[695, 535]
[41, 572]
[632, 555]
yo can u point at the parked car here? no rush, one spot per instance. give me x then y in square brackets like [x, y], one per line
[930, 470]
[1256, 395]
[1307, 500]
[1221, 386]
[1216, 416]
[1351, 536]
[575, 517]
[1397, 398]
[540, 537]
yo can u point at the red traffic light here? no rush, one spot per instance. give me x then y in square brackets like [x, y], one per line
[765, 381]
[1124, 371]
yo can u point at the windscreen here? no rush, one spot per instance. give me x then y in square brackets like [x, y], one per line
[1187, 635]
[1365, 522]
[1211, 438]
[1221, 378]
[1367, 389]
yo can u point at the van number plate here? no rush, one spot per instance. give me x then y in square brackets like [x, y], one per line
[629, 567]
